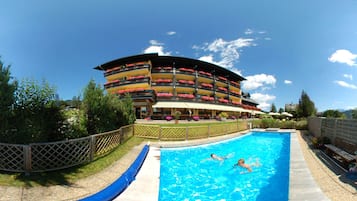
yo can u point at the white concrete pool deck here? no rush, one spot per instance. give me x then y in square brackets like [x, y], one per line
[146, 186]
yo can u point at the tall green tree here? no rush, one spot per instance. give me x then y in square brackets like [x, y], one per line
[38, 115]
[7, 99]
[105, 112]
[92, 104]
[306, 107]
[273, 108]
[281, 110]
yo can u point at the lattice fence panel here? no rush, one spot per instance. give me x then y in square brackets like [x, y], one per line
[105, 142]
[173, 133]
[217, 130]
[58, 155]
[12, 157]
[232, 128]
[147, 131]
[197, 132]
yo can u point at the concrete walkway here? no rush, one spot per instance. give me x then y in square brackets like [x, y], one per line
[147, 180]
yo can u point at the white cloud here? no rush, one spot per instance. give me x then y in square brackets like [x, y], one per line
[264, 100]
[257, 81]
[348, 76]
[207, 58]
[345, 84]
[156, 47]
[343, 56]
[288, 82]
[267, 38]
[170, 33]
[248, 31]
[227, 51]
[155, 42]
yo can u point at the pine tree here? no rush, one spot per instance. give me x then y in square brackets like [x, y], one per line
[306, 107]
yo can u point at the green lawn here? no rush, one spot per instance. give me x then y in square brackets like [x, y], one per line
[70, 175]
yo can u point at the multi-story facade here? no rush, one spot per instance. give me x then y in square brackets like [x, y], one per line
[161, 85]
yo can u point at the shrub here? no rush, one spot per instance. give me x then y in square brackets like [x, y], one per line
[177, 115]
[223, 115]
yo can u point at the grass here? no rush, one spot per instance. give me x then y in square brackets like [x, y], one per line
[70, 175]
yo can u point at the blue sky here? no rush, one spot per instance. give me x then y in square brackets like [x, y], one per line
[280, 47]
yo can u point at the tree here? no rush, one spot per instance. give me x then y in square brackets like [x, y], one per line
[92, 105]
[333, 114]
[105, 112]
[354, 113]
[38, 115]
[281, 110]
[306, 107]
[273, 108]
[7, 99]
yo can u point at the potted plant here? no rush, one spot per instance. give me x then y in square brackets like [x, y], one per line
[177, 116]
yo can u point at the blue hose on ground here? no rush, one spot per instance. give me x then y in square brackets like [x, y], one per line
[119, 185]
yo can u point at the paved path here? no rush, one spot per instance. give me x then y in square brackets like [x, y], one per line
[147, 180]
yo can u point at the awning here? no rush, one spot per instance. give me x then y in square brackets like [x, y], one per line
[274, 114]
[286, 114]
[170, 105]
[254, 112]
[202, 106]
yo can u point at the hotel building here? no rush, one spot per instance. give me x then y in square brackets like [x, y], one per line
[161, 85]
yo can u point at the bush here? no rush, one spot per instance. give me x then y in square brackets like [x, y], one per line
[177, 115]
[223, 115]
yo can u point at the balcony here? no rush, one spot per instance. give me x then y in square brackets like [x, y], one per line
[234, 93]
[186, 96]
[131, 80]
[165, 69]
[222, 79]
[124, 68]
[222, 100]
[222, 89]
[187, 83]
[207, 98]
[235, 84]
[206, 86]
[205, 74]
[161, 82]
[111, 84]
[236, 103]
[186, 71]
[138, 94]
[164, 95]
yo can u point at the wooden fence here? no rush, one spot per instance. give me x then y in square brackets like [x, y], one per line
[39, 157]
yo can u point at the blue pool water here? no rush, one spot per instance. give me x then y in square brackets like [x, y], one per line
[188, 174]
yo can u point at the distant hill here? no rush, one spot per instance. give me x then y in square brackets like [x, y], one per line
[348, 113]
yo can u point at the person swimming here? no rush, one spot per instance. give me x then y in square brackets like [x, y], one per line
[241, 163]
[219, 158]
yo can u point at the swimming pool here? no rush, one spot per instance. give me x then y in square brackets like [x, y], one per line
[189, 174]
